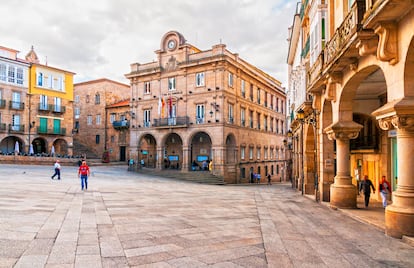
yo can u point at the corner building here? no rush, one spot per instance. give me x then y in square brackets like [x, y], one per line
[192, 105]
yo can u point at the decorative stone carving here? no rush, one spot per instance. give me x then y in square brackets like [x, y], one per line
[387, 45]
[345, 130]
[354, 65]
[332, 80]
[367, 43]
[171, 65]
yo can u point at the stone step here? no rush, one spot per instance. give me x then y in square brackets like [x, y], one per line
[203, 177]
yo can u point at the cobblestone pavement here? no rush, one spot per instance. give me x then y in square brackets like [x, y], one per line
[130, 220]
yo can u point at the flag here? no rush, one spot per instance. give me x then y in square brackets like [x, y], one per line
[159, 106]
[162, 107]
[170, 107]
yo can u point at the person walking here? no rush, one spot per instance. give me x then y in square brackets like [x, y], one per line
[384, 188]
[269, 179]
[57, 170]
[366, 186]
[83, 174]
[258, 178]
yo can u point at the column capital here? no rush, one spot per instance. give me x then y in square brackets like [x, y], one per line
[344, 130]
[396, 114]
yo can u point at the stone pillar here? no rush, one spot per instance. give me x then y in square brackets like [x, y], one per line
[399, 217]
[160, 158]
[186, 157]
[343, 193]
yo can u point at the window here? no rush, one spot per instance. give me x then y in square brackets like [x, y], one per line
[243, 89]
[43, 103]
[98, 119]
[87, 98]
[112, 139]
[265, 152]
[77, 99]
[258, 121]
[171, 83]
[77, 112]
[147, 88]
[277, 105]
[58, 105]
[147, 118]
[11, 74]
[250, 153]
[258, 95]
[56, 126]
[97, 139]
[19, 76]
[271, 153]
[230, 80]
[265, 123]
[271, 124]
[243, 172]
[39, 79]
[251, 119]
[277, 126]
[200, 79]
[281, 106]
[282, 128]
[112, 118]
[97, 98]
[251, 92]
[16, 122]
[243, 117]
[3, 72]
[258, 152]
[231, 113]
[242, 152]
[200, 113]
[16, 100]
[172, 119]
[89, 120]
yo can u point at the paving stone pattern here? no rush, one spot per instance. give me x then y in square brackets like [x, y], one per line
[130, 220]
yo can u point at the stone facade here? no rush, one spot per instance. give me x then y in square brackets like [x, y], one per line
[362, 88]
[93, 128]
[200, 106]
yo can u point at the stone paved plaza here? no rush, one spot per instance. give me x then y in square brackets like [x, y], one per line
[131, 220]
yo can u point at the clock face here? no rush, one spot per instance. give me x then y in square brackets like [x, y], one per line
[171, 44]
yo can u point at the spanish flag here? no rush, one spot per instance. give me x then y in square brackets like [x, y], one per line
[163, 107]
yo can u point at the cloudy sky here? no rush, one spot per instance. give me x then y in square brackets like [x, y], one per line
[101, 38]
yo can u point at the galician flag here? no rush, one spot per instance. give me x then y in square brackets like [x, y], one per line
[159, 106]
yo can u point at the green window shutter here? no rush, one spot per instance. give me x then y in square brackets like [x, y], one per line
[43, 125]
[56, 126]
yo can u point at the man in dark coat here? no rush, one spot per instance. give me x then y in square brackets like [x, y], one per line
[366, 186]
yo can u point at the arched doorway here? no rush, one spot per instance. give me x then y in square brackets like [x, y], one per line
[231, 153]
[39, 146]
[173, 152]
[8, 145]
[60, 147]
[201, 149]
[147, 151]
[310, 160]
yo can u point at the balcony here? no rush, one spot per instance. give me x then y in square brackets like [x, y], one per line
[16, 128]
[2, 104]
[123, 124]
[343, 42]
[60, 131]
[199, 120]
[58, 109]
[15, 105]
[43, 107]
[181, 121]
[230, 120]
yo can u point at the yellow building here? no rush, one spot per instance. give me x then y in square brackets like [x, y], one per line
[191, 107]
[50, 108]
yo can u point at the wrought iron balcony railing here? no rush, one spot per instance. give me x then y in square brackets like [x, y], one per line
[173, 121]
[15, 105]
[120, 124]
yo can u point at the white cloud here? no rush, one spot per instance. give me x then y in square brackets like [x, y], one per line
[102, 38]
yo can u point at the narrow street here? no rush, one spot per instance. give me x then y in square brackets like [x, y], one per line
[126, 219]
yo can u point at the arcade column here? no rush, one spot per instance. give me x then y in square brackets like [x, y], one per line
[343, 193]
[399, 217]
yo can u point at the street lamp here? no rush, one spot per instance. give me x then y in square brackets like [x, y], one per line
[301, 116]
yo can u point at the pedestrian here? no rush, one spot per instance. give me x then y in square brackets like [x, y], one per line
[83, 174]
[384, 188]
[366, 186]
[258, 177]
[269, 179]
[210, 165]
[57, 170]
[251, 177]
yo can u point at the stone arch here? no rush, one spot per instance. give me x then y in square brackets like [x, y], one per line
[327, 153]
[408, 71]
[147, 151]
[60, 147]
[231, 152]
[173, 151]
[201, 148]
[7, 145]
[39, 145]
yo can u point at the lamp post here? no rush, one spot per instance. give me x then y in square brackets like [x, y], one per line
[300, 117]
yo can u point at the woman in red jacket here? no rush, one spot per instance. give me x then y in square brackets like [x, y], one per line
[385, 188]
